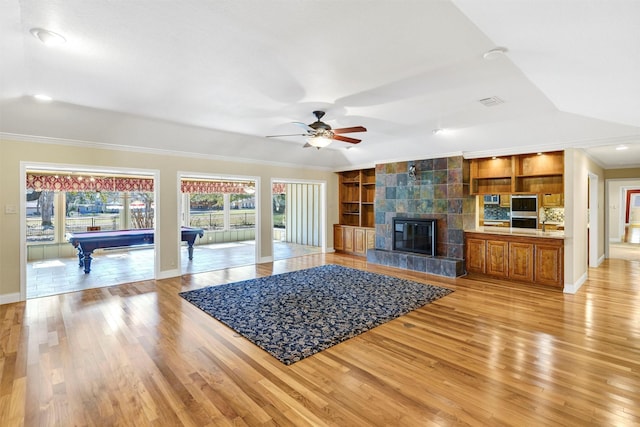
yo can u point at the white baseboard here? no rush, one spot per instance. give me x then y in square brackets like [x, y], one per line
[265, 259]
[573, 288]
[597, 262]
[9, 298]
[168, 274]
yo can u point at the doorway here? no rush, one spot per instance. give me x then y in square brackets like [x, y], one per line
[298, 218]
[623, 219]
[632, 217]
[62, 202]
[593, 260]
[226, 210]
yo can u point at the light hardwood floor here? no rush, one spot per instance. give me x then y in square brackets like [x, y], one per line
[491, 353]
[115, 267]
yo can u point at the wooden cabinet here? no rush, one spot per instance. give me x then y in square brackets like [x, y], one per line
[370, 238]
[521, 261]
[539, 173]
[505, 201]
[491, 176]
[347, 239]
[353, 240]
[497, 258]
[552, 200]
[525, 173]
[537, 260]
[338, 238]
[476, 255]
[549, 264]
[359, 242]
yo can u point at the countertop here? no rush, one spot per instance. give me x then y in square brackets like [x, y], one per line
[525, 232]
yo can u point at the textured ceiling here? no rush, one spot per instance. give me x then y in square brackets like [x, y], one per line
[214, 77]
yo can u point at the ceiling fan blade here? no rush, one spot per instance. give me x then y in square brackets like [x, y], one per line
[305, 126]
[291, 134]
[349, 130]
[346, 139]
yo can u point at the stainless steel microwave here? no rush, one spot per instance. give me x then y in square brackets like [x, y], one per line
[524, 203]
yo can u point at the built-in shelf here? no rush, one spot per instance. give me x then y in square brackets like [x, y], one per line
[355, 233]
[357, 194]
[524, 173]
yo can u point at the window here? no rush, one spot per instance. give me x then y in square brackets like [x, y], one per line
[206, 211]
[40, 216]
[209, 210]
[85, 211]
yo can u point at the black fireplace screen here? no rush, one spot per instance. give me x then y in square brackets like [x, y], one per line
[414, 235]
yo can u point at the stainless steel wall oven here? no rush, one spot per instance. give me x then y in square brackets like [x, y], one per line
[524, 211]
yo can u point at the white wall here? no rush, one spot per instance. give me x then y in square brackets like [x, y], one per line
[578, 168]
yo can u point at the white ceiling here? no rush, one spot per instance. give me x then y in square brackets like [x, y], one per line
[214, 77]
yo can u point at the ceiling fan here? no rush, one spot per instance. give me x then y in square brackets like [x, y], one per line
[320, 134]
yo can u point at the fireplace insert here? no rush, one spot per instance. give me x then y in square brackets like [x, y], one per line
[414, 235]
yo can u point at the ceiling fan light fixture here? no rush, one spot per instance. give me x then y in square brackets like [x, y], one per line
[319, 141]
[47, 37]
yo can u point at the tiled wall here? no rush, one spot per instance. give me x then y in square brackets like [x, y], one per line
[495, 212]
[440, 190]
[554, 214]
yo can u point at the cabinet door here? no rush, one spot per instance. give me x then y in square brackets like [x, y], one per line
[347, 239]
[498, 258]
[549, 263]
[371, 238]
[521, 261]
[505, 201]
[476, 256]
[553, 200]
[359, 241]
[338, 238]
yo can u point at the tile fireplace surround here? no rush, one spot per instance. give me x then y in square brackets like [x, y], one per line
[440, 190]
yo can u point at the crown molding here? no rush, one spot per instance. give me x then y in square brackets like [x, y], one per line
[127, 148]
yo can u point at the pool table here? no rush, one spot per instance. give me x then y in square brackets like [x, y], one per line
[89, 241]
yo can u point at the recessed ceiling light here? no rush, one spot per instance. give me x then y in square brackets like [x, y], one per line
[42, 97]
[622, 147]
[495, 52]
[47, 37]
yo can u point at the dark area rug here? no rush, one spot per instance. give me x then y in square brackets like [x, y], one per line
[297, 314]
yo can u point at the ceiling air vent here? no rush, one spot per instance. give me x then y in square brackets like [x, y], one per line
[491, 101]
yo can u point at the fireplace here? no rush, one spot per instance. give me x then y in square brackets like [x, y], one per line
[414, 235]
